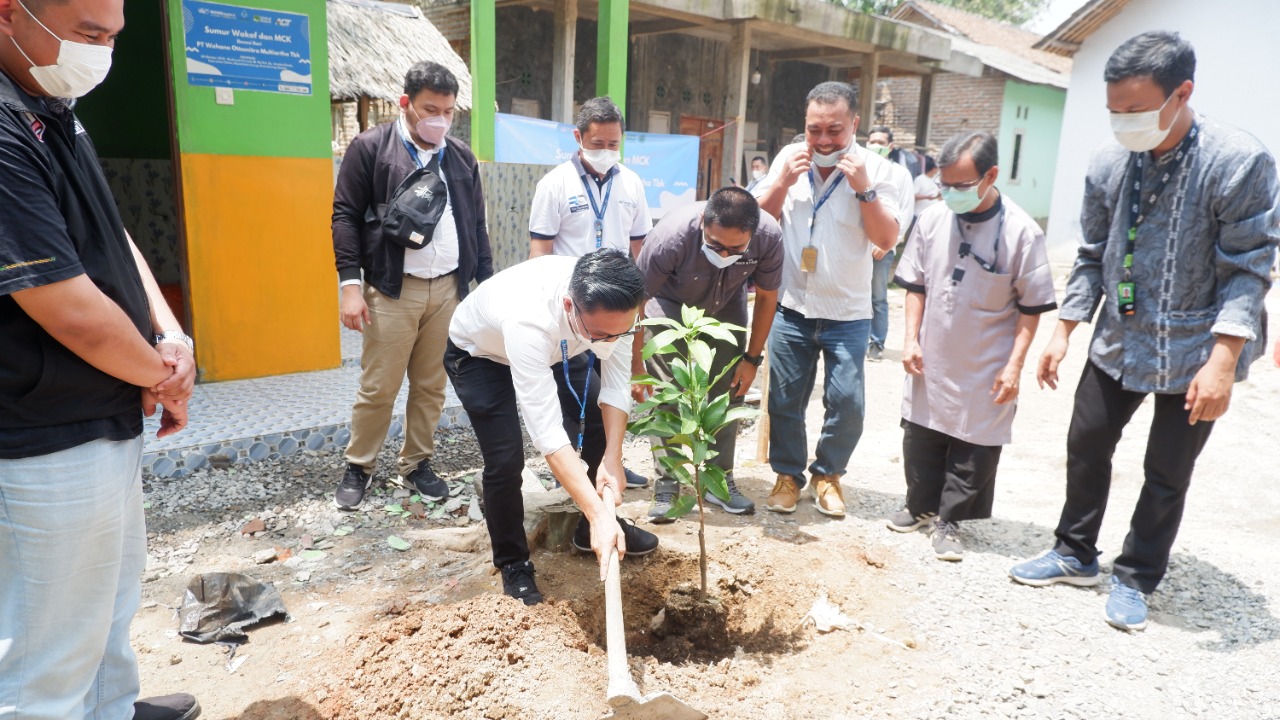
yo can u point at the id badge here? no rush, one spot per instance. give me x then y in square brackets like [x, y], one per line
[1125, 293]
[809, 259]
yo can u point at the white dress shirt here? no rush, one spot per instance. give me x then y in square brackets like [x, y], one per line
[840, 287]
[517, 318]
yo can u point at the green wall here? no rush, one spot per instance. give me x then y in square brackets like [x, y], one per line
[128, 115]
[1035, 113]
[262, 124]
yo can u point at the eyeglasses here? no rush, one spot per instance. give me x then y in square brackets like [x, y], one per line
[592, 337]
[717, 248]
[960, 186]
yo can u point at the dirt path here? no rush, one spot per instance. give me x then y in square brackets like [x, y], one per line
[425, 634]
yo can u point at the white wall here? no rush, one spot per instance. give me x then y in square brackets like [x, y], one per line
[1234, 83]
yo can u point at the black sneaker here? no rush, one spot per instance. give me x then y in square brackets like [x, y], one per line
[352, 487]
[639, 542]
[517, 582]
[179, 706]
[635, 480]
[665, 492]
[738, 503]
[424, 481]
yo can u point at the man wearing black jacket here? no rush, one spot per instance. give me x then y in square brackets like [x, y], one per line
[407, 297]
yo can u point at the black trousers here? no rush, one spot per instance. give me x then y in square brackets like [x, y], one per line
[489, 397]
[1102, 409]
[948, 476]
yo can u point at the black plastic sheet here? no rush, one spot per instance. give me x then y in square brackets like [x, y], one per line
[218, 607]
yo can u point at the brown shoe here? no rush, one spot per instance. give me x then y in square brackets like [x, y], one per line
[827, 495]
[785, 494]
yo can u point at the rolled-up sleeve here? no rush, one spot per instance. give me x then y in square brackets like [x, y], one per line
[1085, 286]
[527, 350]
[1033, 283]
[1248, 234]
[910, 275]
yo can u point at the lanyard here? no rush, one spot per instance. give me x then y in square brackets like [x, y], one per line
[813, 188]
[966, 248]
[599, 210]
[417, 158]
[1137, 209]
[586, 388]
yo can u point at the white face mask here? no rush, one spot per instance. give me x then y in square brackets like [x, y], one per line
[720, 262]
[828, 160]
[601, 160]
[80, 67]
[601, 348]
[757, 174]
[1140, 131]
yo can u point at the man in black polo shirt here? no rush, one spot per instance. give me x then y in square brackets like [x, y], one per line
[80, 316]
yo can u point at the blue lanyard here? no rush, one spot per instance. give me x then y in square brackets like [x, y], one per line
[813, 188]
[600, 209]
[586, 388]
[413, 152]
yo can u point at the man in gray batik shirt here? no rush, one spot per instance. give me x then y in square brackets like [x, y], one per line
[1179, 226]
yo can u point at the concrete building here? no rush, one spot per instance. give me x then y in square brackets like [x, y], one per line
[1230, 48]
[1019, 96]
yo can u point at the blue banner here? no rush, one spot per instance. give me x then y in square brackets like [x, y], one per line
[668, 164]
[247, 48]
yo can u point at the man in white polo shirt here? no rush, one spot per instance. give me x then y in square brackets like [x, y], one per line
[835, 202]
[589, 202]
[508, 344]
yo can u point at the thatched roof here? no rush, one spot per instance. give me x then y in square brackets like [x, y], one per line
[372, 44]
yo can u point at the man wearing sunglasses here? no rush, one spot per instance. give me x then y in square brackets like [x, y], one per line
[977, 278]
[703, 255]
[510, 343]
[1179, 224]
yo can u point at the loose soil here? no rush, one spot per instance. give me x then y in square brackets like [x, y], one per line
[427, 634]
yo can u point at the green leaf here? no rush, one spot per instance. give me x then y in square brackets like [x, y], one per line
[395, 509]
[690, 315]
[677, 468]
[397, 544]
[312, 555]
[713, 480]
[700, 355]
[656, 321]
[700, 448]
[415, 498]
[662, 342]
[719, 332]
[681, 506]
[680, 373]
[714, 415]
[344, 530]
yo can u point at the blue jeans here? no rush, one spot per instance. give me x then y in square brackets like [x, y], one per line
[795, 343]
[880, 299]
[73, 545]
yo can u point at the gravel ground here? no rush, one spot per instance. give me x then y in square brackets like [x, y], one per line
[987, 647]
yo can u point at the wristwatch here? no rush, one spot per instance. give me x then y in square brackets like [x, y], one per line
[176, 336]
[868, 196]
[753, 359]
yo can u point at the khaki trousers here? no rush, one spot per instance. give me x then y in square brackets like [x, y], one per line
[407, 337]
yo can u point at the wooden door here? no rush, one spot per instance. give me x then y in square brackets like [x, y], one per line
[710, 146]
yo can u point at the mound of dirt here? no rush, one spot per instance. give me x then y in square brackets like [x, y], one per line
[487, 657]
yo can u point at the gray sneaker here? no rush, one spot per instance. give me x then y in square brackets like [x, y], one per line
[875, 352]
[738, 503]
[904, 522]
[665, 492]
[946, 541]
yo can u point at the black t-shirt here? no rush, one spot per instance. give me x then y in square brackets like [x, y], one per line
[58, 220]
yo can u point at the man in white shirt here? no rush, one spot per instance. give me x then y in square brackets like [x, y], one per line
[510, 343]
[591, 201]
[880, 141]
[835, 202]
[399, 297]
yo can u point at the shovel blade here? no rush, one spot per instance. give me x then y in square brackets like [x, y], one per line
[659, 706]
